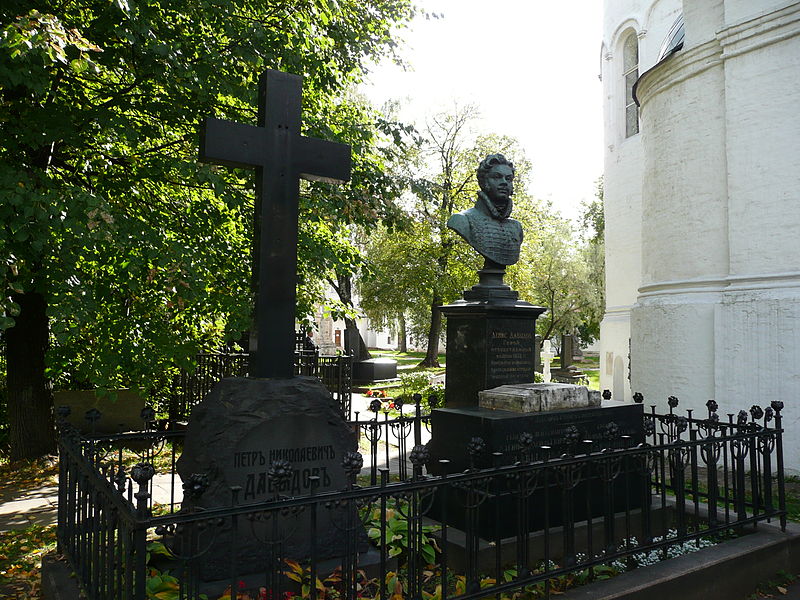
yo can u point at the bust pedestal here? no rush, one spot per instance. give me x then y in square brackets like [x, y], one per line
[490, 343]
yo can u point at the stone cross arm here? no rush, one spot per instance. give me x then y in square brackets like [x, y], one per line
[245, 146]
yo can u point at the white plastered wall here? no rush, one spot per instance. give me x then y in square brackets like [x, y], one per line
[719, 305]
[623, 179]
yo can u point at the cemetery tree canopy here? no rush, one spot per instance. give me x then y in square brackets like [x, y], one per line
[120, 251]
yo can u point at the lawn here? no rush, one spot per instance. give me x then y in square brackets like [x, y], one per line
[407, 361]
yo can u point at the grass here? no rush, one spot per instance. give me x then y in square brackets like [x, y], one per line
[407, 361]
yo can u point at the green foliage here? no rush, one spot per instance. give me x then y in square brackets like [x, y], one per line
[142, 253]
[776, 584]
[330, 588]
[593, 220]
[21, 553]
[558, 272]
[414, 383]
[396, 536]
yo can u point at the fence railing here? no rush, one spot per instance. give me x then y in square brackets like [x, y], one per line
[573, 516]
[335, 372]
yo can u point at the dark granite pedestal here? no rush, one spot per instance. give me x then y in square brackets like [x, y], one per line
[489, 343]
[452, 430]
[374, 369]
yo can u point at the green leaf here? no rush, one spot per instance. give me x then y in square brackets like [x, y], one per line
[79, 65]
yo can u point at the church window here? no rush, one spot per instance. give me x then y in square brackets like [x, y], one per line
[630, 62]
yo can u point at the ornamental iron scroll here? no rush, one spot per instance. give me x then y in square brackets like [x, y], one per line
[673, 426]
[352, 463]
[476, 448]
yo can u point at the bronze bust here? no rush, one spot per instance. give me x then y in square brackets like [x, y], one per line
[487, 226]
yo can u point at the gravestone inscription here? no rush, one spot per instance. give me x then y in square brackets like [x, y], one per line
[511, 353]
[237, 434]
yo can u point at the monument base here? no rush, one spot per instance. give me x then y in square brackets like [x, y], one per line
[562, 431]
[374, 369]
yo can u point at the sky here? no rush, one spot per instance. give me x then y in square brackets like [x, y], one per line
[530, 66]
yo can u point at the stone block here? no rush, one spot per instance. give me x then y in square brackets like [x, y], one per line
[537, 397]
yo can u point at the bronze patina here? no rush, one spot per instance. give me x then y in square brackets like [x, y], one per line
[487, 226]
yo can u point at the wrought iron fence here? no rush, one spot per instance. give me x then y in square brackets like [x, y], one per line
[335, 372]
[571, 514]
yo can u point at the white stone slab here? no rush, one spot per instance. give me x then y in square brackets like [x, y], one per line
[537, 397]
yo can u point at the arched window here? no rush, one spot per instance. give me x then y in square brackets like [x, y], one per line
[630, 69]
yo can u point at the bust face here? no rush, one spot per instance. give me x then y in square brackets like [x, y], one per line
[499, 183]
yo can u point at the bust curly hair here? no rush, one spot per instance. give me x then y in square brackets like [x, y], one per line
[487, 164]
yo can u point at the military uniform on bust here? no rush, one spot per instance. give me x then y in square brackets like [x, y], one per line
[491, 232]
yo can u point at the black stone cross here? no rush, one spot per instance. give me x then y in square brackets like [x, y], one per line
[280, 156]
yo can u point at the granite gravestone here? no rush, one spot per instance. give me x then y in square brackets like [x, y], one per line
[273, 422]
[567, 371]
[240, 432]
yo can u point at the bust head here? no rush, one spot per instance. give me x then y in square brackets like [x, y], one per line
[496, 178]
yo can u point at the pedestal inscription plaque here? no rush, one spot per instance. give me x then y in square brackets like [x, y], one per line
[488, 345]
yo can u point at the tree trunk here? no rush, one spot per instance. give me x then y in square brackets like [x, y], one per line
[432, 355]
[30, 401]
[402, 344]
[344, 288]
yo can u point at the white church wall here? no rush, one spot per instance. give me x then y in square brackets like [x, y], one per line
[756, 322]
[702, 19]
[740, 10]
[719, 297]
[650, 21]
[758, 356]
[684, 209]
[762, 88]
[672, 348]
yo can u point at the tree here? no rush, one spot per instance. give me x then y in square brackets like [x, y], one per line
[398, 270]
[558, 272]
[112, 232]
[593, 223]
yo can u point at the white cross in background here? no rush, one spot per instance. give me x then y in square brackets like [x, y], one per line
[547, 357]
